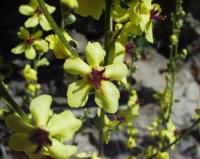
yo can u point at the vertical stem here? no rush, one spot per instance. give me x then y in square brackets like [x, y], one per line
[62, 24]
[101, 140]
[107, 29]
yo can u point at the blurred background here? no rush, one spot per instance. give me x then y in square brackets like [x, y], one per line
[147, 79]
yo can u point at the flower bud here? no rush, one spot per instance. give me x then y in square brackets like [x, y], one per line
[70, 3]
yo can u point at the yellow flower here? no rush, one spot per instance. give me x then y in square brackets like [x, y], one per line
[44, 136]
[61, 52]
[29, 73]
[94, 76]
[36, 16]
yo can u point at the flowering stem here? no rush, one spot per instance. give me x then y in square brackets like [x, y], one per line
[178, 139]
[55, 27]
[11, 102]
[107, 29]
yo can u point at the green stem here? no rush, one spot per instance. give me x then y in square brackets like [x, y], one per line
[178, 139]
[62, 24]
[12, 103]
[55, 28]
[107, 29]
[101, 140]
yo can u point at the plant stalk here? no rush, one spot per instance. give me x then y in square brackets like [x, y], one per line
[178, 139]
[12, 103]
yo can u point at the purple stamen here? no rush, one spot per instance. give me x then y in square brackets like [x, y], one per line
[96, 77]
[129, 48]
[40, 137]
[155, 15]
[29, 41]
[38, 11]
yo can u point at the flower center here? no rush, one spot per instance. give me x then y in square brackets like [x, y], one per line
[155, 15]
[38, 11]
[129, 48]
[96, 77]
[29, 41]
[40, 137]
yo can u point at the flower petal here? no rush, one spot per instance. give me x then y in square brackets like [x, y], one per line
[32, 22]
[70, 3]
[107, 97]
[76, 66]
[41, 45]
[26, 10]
[50, 8]
[17, 124]
[19, 142]
[40, 109]
[94, 54]
[90, 7]
[116, 71]
[77, 93]
[60, 151]
[19, 49]
[30, 53]
[44, 23]
[63, 125]
[117, 53]
[38, 34]
[61, 52]
[23, 33]
[149, 32]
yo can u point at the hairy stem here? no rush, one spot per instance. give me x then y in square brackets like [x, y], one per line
[12, 103]
[107, 29]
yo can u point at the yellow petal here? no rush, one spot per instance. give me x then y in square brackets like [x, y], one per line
[26, 10]
[63, 125]
[92, 8]
[15, 123]
[77, 93]
[107, 97]
[19, 142]
[94, 54]
[116, 71]
[40, 109]
[76, 66]
[32, 22]
[60, 151]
